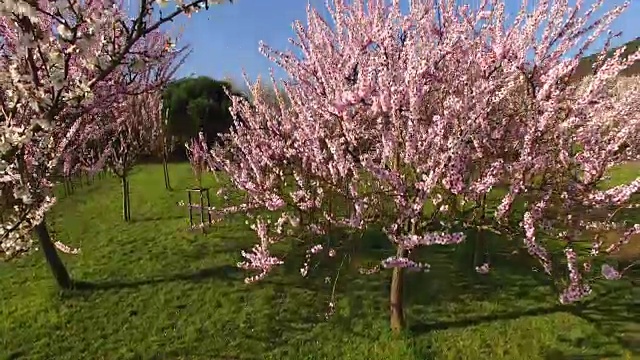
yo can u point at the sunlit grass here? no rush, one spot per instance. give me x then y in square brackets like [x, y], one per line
[162, 292]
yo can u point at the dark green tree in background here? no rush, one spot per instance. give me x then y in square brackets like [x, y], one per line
[195, 104]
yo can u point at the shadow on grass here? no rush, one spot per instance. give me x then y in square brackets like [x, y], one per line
[295, 302]
[615, 312]
[219, 272]
[611, 314]
[423, 327]
[158, 218]
[588, 310]
[453, 282]
[555, 354]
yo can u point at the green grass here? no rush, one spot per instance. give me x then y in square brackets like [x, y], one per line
[162, 292]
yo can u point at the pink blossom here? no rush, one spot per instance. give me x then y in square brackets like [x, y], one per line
[610, 273]
[399, 262]
[483, 269]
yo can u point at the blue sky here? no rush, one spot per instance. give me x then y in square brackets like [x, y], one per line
[225, 38]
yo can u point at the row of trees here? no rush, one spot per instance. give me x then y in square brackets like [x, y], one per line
[142, 130]
[81, 88]
[409, 120]
[412, 119]
[133, 126]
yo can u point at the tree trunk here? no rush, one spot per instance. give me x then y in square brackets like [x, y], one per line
[51, 255]
[480, 247]
[68, 185]
[477, 260]
[201, 210]
[125, 198]
[396, 296]
[128, 201]
[165, 169]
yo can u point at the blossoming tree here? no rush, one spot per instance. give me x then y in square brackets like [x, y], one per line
[131, 130]
[412, 118]
[57, 59]
[197, 150]
[133, 127]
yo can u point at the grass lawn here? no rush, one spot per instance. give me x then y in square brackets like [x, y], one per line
[161, 292]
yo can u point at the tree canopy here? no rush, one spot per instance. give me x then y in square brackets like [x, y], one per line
[195, 104]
